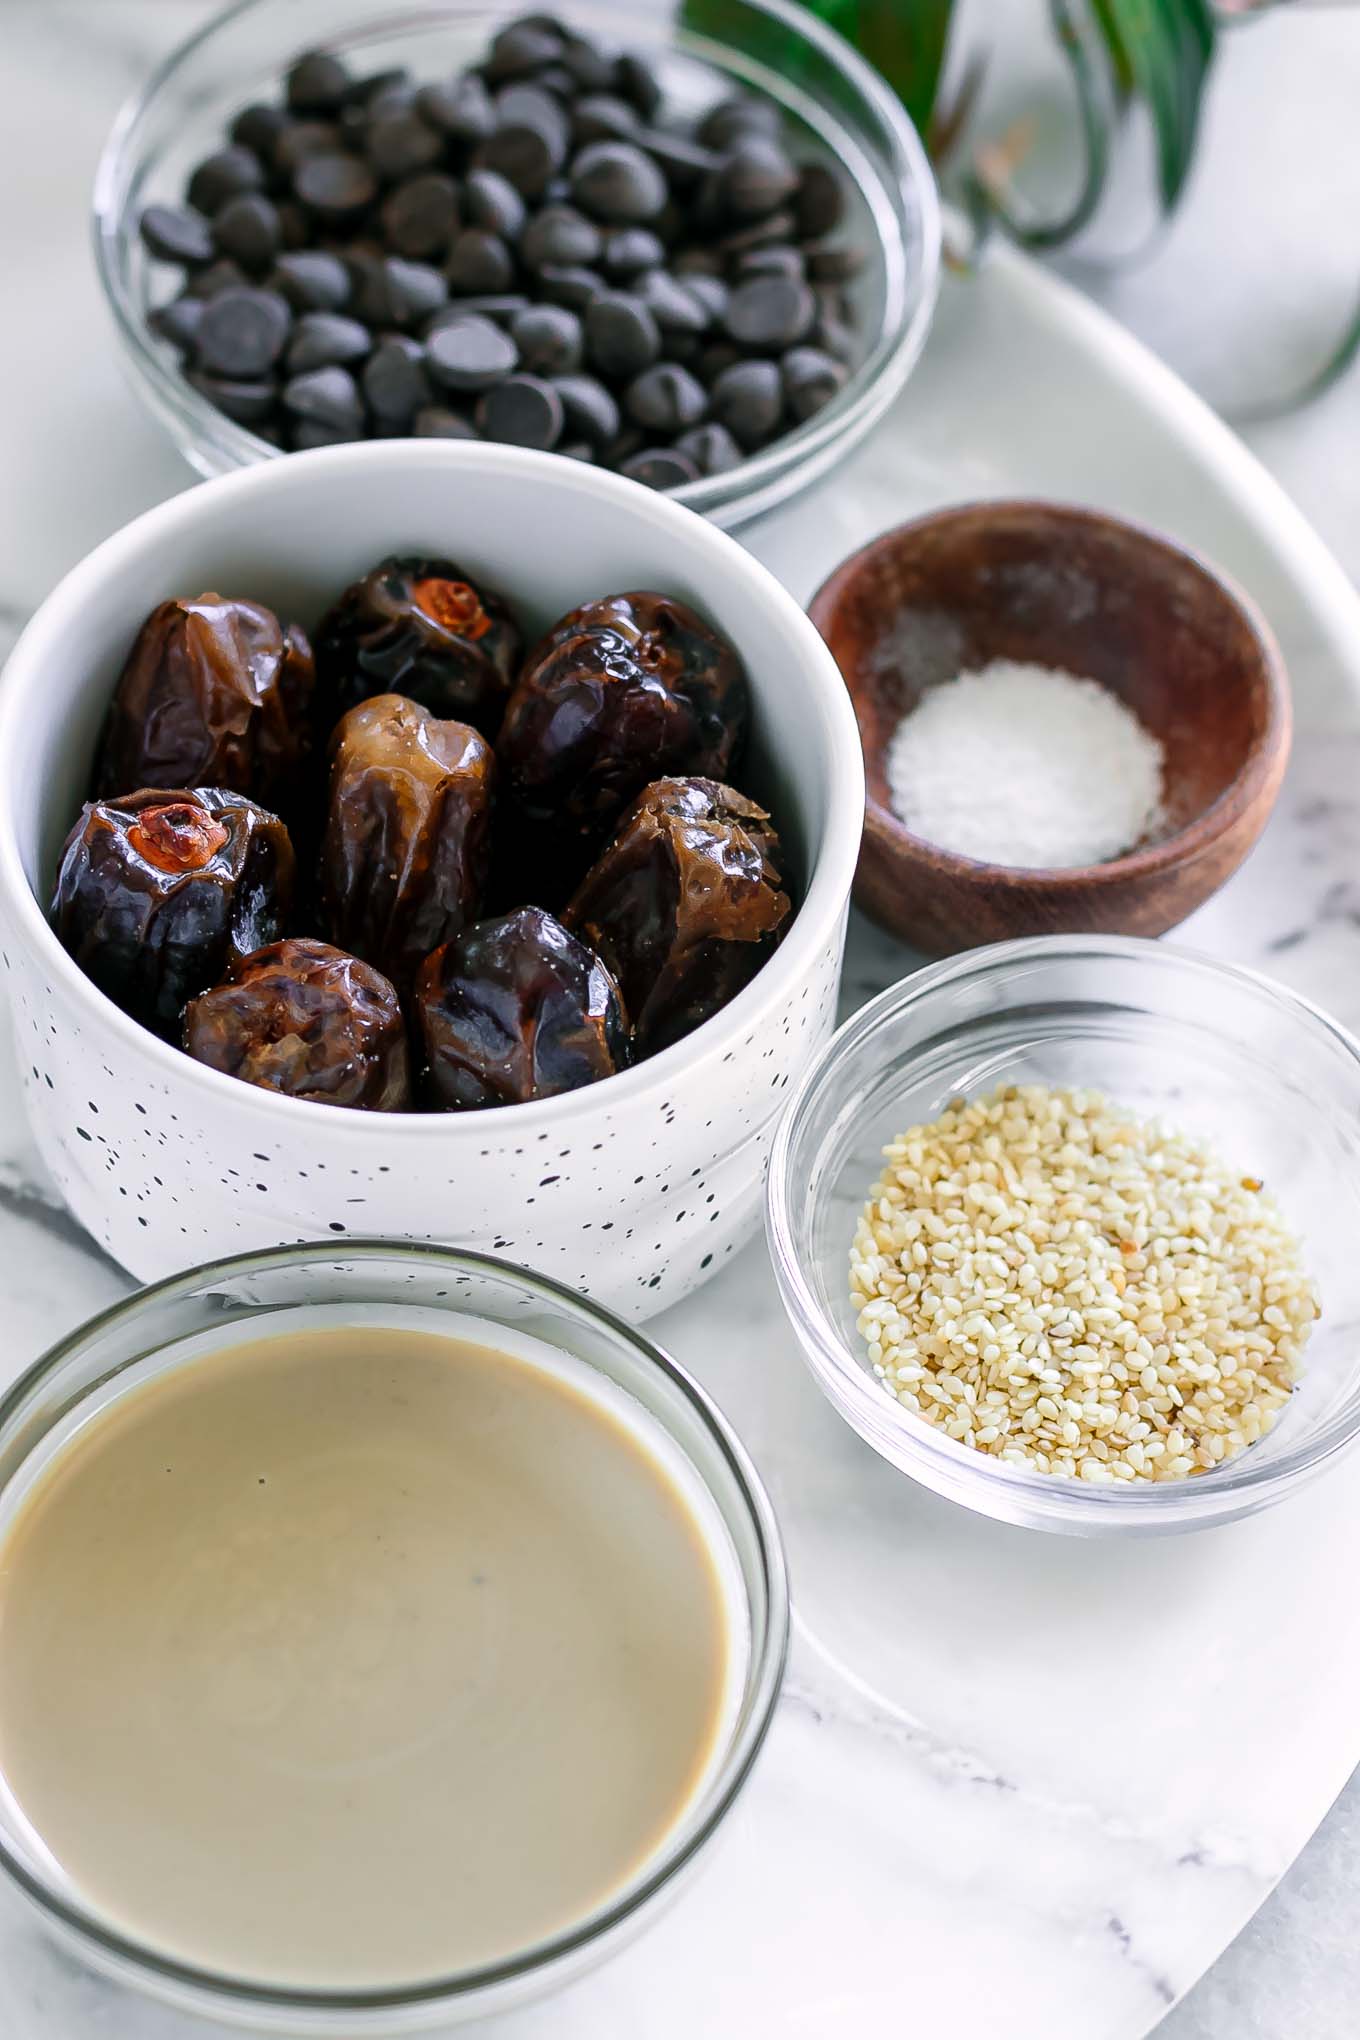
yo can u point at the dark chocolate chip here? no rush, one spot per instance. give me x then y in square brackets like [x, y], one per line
[756, 178]
[300, 138]
[177, 234]
[394, 382]
[712, 449]
[769, 311]
[660, 467]
[479, 261]
[684, 162]
[311, 280]
[223, 175]
[833, 262]
[622, 337]
[224, 274]
[470, 354]
[247, 229]
[734, 120]
[559, 234]
[633, 77]
[400, 143]
[549, 339]
[317, 83]
[491, 202]
[748, 399]
[602, 117]
[335, 184]
[177, 322]
[437, 422]
[566, 283]
[521, 411]
[811, 379]
[520, 47]
[778, 259]
[666, 399]
[328, 397]
[395, 292]
[325, 340]
[675, 307]
[503, 306]
[249, 403]
[588, 408]
[461, 109]
[819, 205]
[631, 249]
[311, 432]
[242, 333]
[711, 292]
[615, 182]
[420, 216]
[258, 128]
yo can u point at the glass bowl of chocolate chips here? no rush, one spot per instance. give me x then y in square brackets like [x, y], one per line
[698, 246]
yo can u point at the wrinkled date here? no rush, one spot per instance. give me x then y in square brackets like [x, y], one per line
[420, 628]
[159, 893]
[684, 906]
[308, 1021]
[517, 1009]
[618, 693]
[214, 693]
[408, 838]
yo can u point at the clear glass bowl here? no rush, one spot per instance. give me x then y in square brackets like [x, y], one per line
[1215, 1050]
[440, 1289]
[832, 98]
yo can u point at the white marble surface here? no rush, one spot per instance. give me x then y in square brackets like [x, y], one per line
[1064, 1775]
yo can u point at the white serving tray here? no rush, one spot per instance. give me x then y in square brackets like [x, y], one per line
[1019, 1788]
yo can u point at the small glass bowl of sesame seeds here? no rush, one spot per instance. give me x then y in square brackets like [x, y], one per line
[1067, 1229]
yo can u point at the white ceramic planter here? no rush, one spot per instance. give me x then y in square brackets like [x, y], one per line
[634, 1190]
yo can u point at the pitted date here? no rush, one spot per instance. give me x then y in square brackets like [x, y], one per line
[684, 906]
[515, 1009]
[408, 833]
[214, 693]
[159, 893]
[420, 627]
[619, 692]
[308, 1021]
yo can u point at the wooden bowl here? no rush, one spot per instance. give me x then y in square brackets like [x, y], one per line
[1074, 589]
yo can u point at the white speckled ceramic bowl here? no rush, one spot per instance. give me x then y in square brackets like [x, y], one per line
[634, 1190]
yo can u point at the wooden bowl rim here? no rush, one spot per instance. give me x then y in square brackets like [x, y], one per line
[1256, 779]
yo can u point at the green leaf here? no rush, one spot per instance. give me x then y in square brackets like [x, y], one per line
[1160, 51]
[905, 40]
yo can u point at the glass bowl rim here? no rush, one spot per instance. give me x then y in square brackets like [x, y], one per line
[763, 1681]
[751, 485]
[976, 1479]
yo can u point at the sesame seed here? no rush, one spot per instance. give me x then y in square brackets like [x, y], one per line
[1066, 1288]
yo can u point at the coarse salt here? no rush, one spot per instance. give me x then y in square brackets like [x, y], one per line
[1025, 765]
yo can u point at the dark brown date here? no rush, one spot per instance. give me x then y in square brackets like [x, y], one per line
[408, 833]
[159, 893]
[308, 1021]
[517, 1009]
[214, 693]
[684, 906]
[618, 693]
[421, 628]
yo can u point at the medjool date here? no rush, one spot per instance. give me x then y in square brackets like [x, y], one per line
[215, 692]
[306, 1020]
[515, 1009]
[419, 627]
[407, 841]
[159, 893]
[618, 693]
[684, 906]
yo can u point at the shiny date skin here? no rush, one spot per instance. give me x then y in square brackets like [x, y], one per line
[161, 892]
[408, 833]
[515, 1009]
[620, 692]
[422, 628]
[215, 692]
[684, 906]
[305, 1020]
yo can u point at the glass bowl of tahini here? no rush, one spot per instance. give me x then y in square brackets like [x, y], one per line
[388, 1631]
[1208, 1165]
